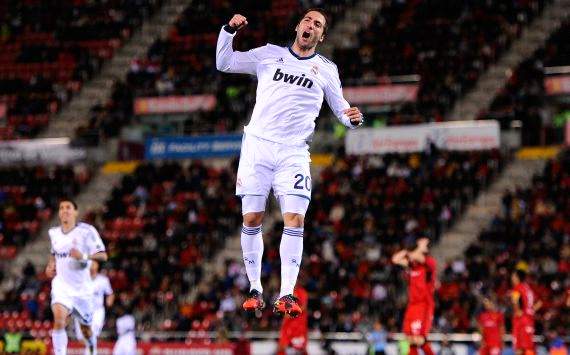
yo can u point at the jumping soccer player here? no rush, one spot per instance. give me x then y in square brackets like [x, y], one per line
[524, 305]
[421, 276]
[292, 82]
[73, 247]
[492, 327]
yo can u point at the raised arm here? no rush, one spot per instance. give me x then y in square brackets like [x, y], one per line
[349, 116]
[515, 301]
[230, 61]
[401, 258]
[417, 255]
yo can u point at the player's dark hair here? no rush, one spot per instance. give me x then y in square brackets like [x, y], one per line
[68, 199]
[521, 274]
[322, 12]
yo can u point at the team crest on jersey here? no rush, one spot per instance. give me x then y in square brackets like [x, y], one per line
[315, 69]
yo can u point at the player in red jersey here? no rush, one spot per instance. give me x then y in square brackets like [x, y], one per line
[524, 305]
[492, 328]
[294, 331]
[421, 277]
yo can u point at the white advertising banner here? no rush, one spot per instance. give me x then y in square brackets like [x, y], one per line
[457, 135]
[40, 151]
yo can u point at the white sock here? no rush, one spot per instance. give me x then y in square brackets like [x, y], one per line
[59, 340]
[252, 249]
[291, 252]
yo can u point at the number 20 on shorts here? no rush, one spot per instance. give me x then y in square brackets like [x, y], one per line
[301, 180]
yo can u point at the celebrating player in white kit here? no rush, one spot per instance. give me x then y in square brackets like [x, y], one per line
[292, 82]
[127, 342]
[73, 246]
[102, 296]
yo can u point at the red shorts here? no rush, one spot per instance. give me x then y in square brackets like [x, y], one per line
[490, 350]
[523, 332]
[418, 319]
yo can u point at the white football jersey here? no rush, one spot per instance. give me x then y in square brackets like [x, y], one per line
[101, 288]
[73, 275]
[125, 325]
[290, 89]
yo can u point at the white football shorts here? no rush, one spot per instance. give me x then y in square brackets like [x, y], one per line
[266, 165]
[80, 307]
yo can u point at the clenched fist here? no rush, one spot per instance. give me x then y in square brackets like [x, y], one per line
[354, 115]
[238, 22]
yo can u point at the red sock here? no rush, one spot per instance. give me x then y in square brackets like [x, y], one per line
[427, 349]
[413, 350]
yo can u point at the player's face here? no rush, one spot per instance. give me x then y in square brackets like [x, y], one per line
[423, 244]
[67, 213]
[514, 278]
[310, 30]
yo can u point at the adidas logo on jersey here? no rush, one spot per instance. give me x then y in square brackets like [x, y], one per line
[293, 79]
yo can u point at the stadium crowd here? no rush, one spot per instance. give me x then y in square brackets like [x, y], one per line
[357, 220]
[449, 45]
[524, 98]
[182, 63]
[44, 59]
[29, 196]
[417, 38]
[164, 221]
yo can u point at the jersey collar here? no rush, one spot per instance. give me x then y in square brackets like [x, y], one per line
[298, 56]
[62, 232]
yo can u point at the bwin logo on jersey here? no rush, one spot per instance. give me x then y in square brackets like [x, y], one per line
[293, 79]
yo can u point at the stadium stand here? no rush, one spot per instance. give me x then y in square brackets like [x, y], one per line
[185, 205]
[190, 207]
[346, 270]
[29, 198]
[417, 38]
[524, 97]
[530, 233]
[45, 58]
[183, 64]
[165, 220]
[448, 45]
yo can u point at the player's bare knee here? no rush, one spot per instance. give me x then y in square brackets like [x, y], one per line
[293, 220]
[252, 219]
[86, 330]
[59, 323]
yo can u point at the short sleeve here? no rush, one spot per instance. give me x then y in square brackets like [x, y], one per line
[431, 264]
[108, 290]
[94, 241]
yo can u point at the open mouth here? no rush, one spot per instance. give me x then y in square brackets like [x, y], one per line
[306, 34]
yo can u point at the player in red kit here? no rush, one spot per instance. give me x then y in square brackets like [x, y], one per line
[294, 331]
[492, 327]
[421, 276]
[524, 305]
